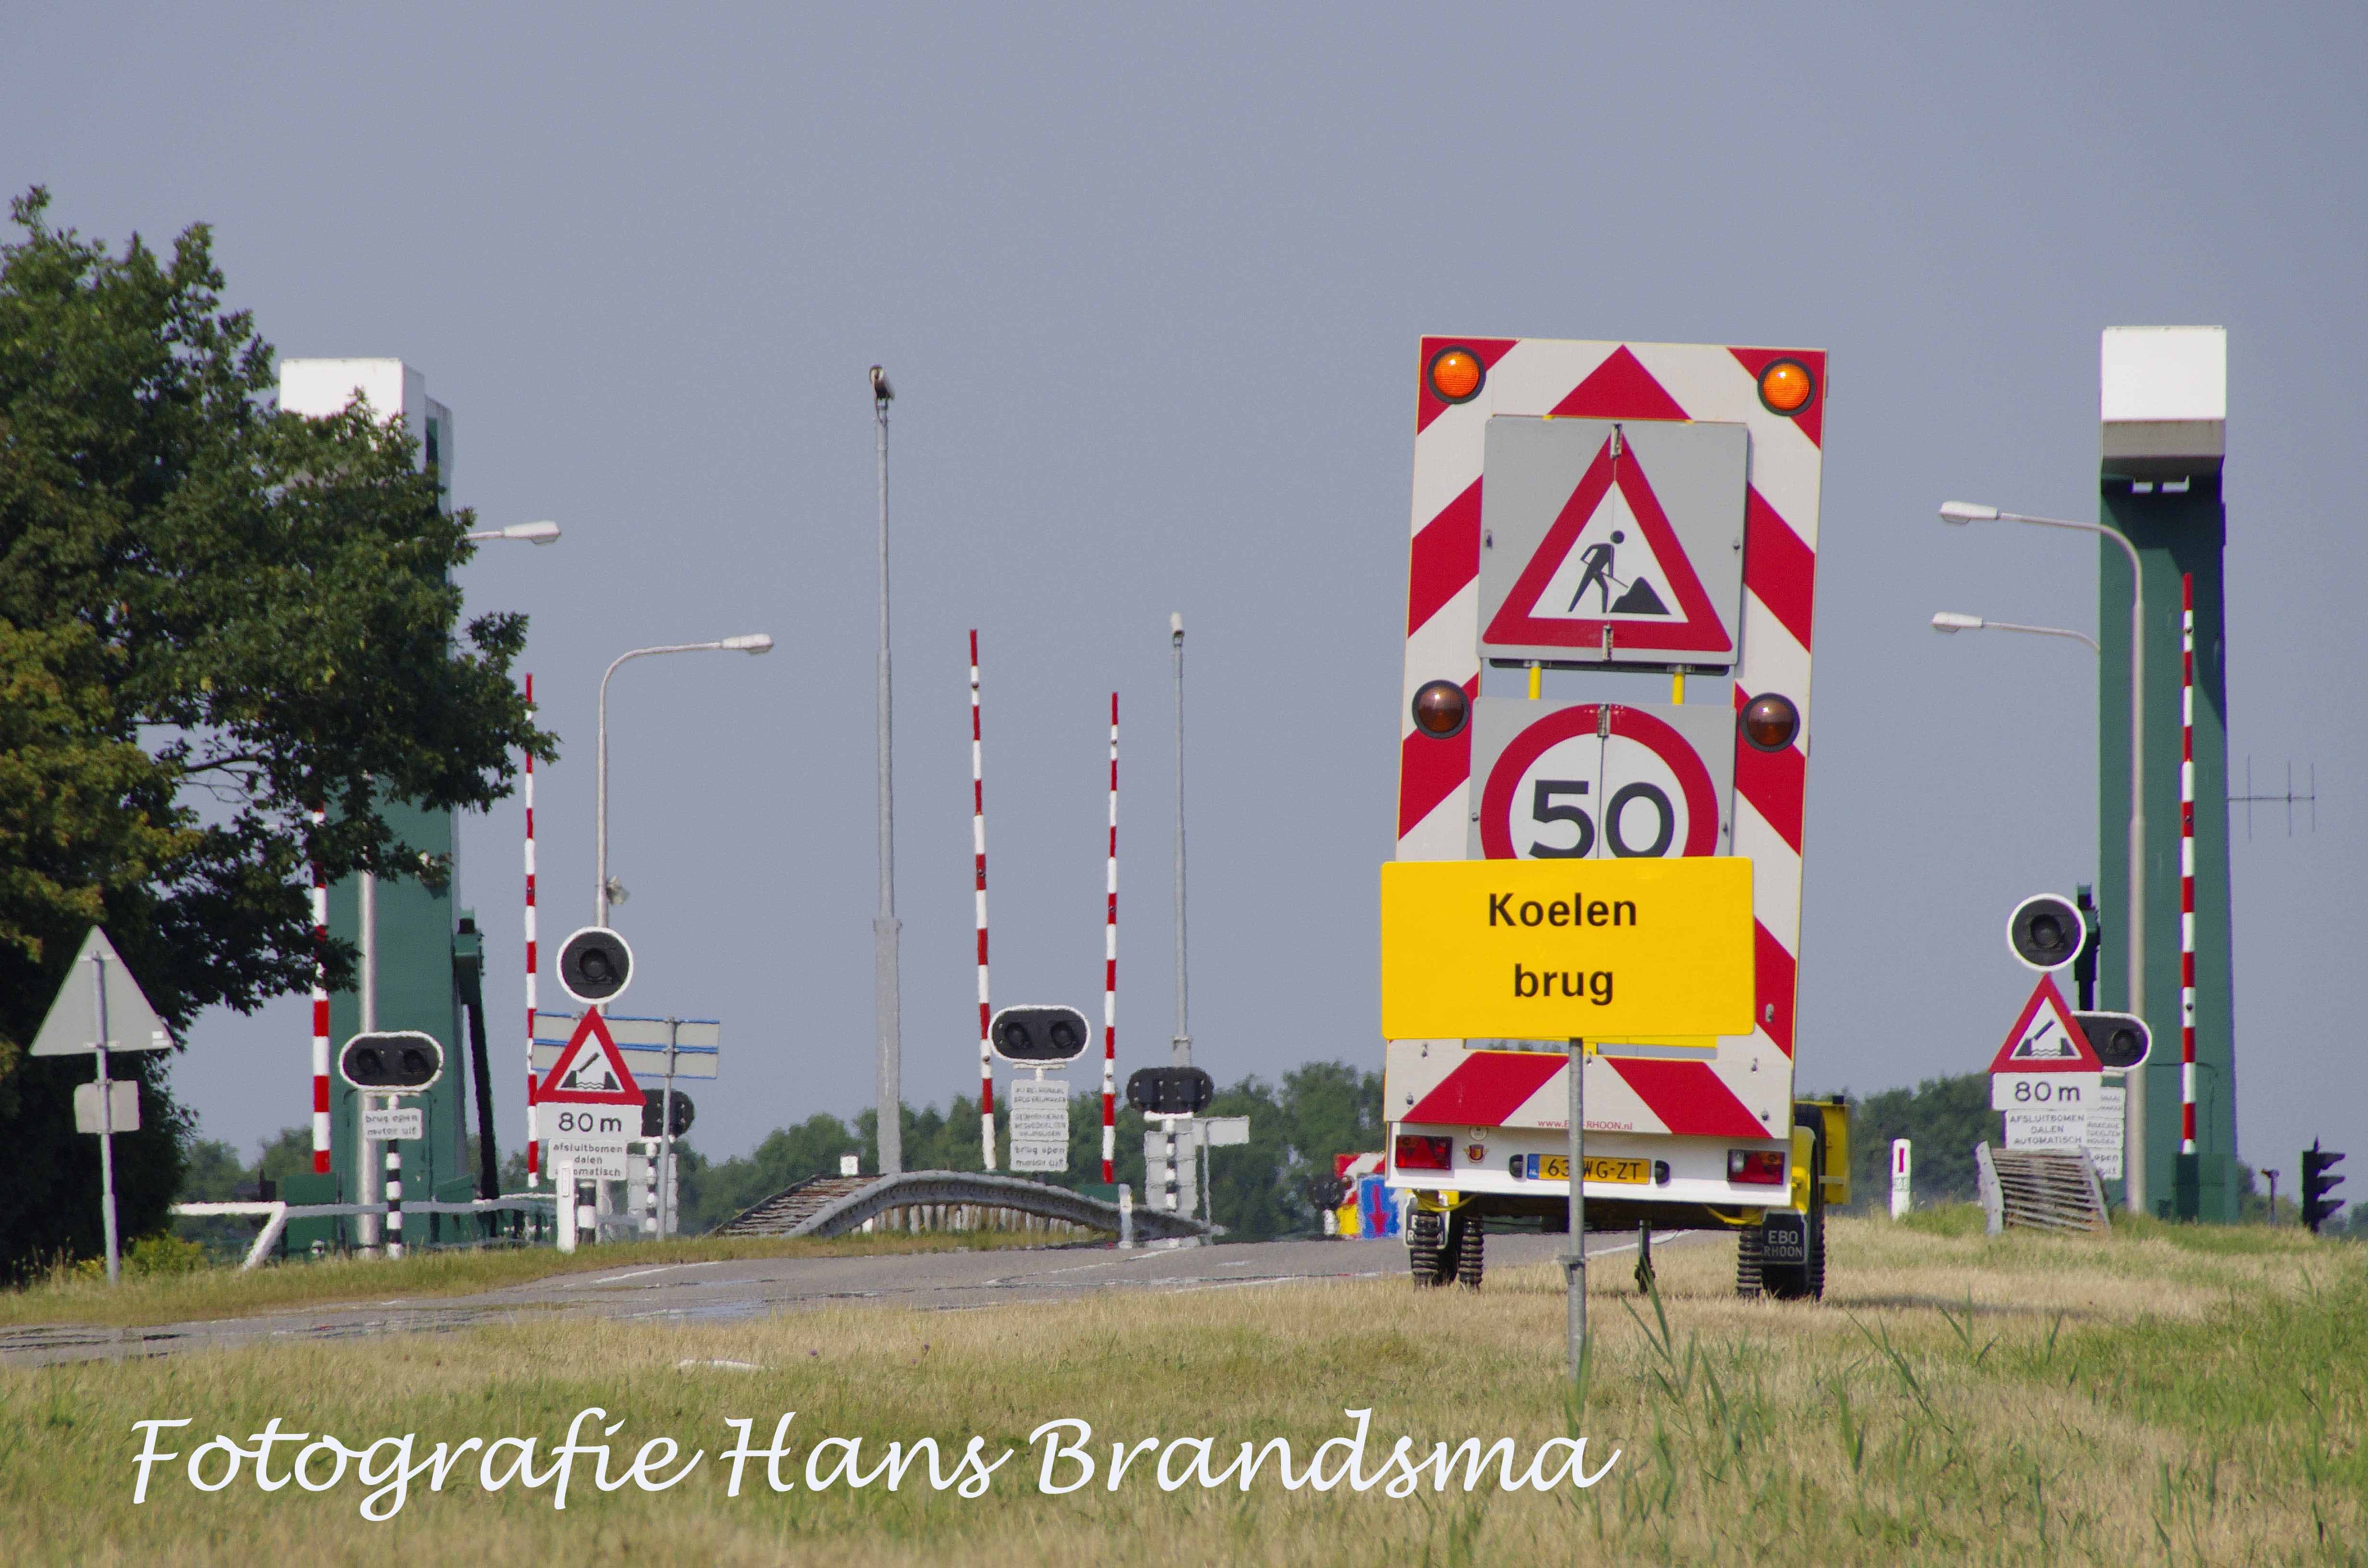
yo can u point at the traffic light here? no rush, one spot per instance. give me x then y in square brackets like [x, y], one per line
[1170, 1091]
[1036, 1036]
[2121, 1039]
[400, 1059]
[652, 1099]
[595, 965]
[2317, 1208]
[2045, 932]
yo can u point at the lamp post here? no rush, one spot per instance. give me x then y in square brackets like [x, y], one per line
[1962, 512]
[884, 927]
[545, 532]
[1950, 622]
[753, 643]
[1181, 1047]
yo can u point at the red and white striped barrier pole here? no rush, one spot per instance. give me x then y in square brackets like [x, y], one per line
[533, 1140]
[978, 856]
[2187, 863]
[320, 1012]
[1109, 972]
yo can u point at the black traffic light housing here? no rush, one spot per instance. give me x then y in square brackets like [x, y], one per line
[2084, 964]
[1170, 1091]
[1040, 1035]
[2317, 1208]
[683, 1113]
[595, 965]
[395, 1061]
[2045, 932]
[2120, 1039]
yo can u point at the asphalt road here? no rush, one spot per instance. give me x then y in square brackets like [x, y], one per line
[753, 1288]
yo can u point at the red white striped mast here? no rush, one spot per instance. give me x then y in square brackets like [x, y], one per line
[2187, 863]
[320, 1011]
[1109, 972]
[533, 1141]
[978, 856]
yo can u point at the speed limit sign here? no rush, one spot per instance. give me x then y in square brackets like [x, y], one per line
[1586, 780]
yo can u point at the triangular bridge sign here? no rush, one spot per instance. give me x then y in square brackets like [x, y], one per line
[2046, 1039]
[591, 1070]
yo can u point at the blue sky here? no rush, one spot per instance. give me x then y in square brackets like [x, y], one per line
[1149, 286]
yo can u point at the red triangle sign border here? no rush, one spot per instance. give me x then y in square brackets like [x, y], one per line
[2045, 995]
[591, 1027]
[1699, 630]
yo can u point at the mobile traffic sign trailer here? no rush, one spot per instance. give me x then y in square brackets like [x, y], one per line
[110, 1013]
[1646, 514]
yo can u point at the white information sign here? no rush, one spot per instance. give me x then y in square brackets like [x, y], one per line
[597, 1159]
[394, 1123]
[1040, 1124]
[2048, 1129]
[2045, 1091]
[2107, 1127]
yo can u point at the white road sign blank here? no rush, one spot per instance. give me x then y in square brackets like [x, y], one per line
[2045, 1091]
[1040, 1124]
[123, 1106]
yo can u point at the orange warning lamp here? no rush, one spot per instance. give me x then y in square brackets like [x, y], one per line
[1786, 386]
[1440, 708]
[1770, 721]
[1456, 375]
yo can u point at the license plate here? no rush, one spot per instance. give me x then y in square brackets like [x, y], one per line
[1556, 1167]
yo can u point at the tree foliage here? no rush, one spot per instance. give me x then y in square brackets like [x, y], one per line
[214, 618]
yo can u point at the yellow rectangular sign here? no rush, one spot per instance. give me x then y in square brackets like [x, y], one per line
[1559, 949]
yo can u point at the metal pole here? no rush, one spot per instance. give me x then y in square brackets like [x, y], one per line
[665, 1132]
[884, 926]
[1109, 971]
[106, 1127]
[1575, 1264]
[978, 854]
[533, 1121]
[370, 1175]
[1183, 1047]
[2133, 1164]
[2134, 1180]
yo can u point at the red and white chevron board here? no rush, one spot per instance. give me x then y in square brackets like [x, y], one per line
[1634, 382]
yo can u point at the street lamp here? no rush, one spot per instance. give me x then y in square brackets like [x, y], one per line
[1962, 512]
[751, 643]
[544, 532]
[1950, 622]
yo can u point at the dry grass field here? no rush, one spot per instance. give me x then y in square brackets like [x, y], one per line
[2165, 1396]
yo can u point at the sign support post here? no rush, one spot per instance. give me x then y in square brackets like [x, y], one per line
[106, 1125]
[1574, 1267]
[665, 1131]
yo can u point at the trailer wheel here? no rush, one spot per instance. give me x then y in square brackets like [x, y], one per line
[1468, 1251]
[1804, 1280]
[1424, 1251]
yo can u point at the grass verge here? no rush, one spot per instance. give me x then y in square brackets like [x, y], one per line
[1956, 1399]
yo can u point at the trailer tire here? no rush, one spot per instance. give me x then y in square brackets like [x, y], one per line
[1468, 1251]
[1426, 1254]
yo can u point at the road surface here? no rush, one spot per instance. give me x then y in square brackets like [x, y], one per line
[755, 1287]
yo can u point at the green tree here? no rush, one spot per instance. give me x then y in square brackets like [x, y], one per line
[204, 603]
[1944, 1117]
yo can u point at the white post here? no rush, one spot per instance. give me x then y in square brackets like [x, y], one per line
[1900, 1196]
[562, 1188]
[1126, 1219]
[106, 1127]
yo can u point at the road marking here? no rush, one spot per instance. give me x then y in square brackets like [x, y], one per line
[637, 1273]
